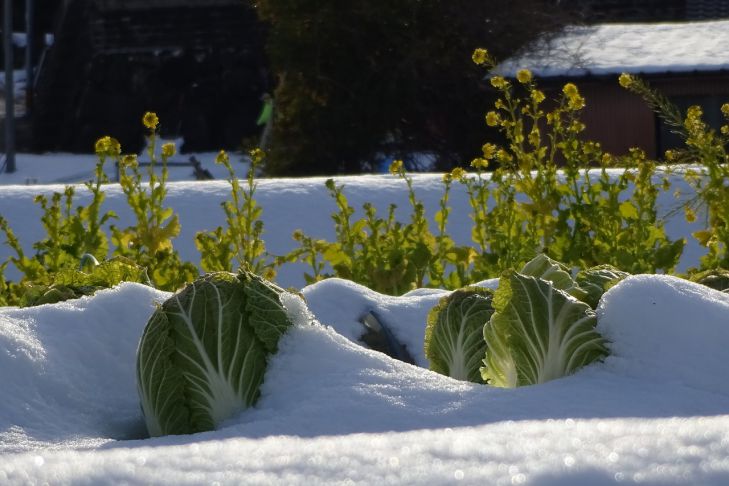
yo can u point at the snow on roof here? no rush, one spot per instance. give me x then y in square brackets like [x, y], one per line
[633, 48]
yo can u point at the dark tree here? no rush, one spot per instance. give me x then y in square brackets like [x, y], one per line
[385, 76]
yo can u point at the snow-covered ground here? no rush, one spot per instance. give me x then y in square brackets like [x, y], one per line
[333, 412]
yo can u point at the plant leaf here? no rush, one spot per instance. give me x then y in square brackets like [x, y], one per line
[203, 354]
[597, 280]
[537, 333]
[454, 342]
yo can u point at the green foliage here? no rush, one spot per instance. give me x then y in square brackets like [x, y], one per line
[562, 209]
[536, 327]
[72, 283]
[537, 333]
[707, 150]
[149, 241]
[454, 342]
[242, 239]
[383, 254]
[596, 281]
[360, 79]
[555, 273]
[71, 233]
[717, 279]
[203, 355]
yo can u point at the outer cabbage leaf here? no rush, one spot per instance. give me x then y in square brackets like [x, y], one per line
[541, 266]
[203, 354]
[597, 280]
[454, 342]
[537, 333]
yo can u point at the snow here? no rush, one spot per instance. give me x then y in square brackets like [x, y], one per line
[633, 48]
[656, 411]
[333, 412]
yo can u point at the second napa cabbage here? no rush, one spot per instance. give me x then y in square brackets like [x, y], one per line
[537, 326]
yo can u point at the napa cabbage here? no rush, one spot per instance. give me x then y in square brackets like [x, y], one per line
[454, 342]
[204, 351]
[537, 333]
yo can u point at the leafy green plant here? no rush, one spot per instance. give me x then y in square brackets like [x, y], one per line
[717, 279]
[149, 241]
[596, 281]
[544, 194]
[552, 271]
[241, 240]
[537, 333]
[70, 232]
[383, 254]
[706, 149]
[454, 343]
[203, 355]
[88, 278]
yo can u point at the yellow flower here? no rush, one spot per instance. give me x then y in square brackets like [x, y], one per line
[498, 82]
[577, 126]
[447, 178]
[458, 173]
[576, 102]
[114, 146]
[297, 235]
[625, 80]
[222, 158]
[101, 147]
[396, 167]
[537, 96]
[168, 150]
[257, 155]
[150, 120]
[492, 119]
[690, 215]
[480, 56]
[694, 112]
[725, 129]
[524, 76]
[503, 156]
[479, 163]
[107, 146]
[570, 90]
[489, 151]
[130, 161]
[670, 155]
[725, 109]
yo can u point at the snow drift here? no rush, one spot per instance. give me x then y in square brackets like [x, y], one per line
[654, 412]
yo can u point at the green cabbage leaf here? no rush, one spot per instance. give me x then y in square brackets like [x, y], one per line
[454, 342]
[555, 272]
[537, 333]
[203, 354]
[597, 280]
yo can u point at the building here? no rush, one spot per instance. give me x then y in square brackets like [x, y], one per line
[686, 61]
